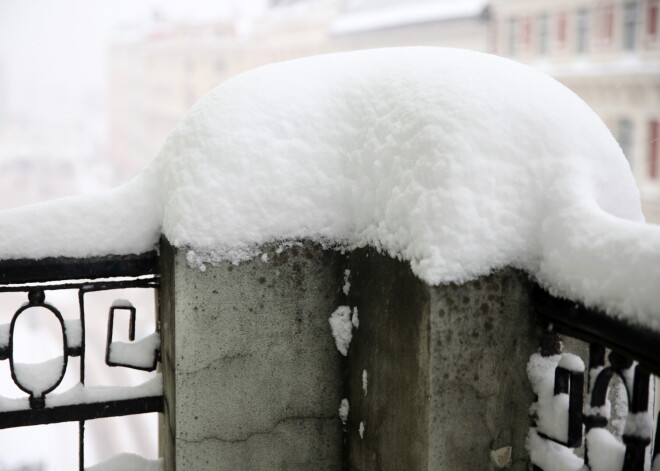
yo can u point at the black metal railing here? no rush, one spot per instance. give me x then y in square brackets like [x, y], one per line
[42, 403]
[634, 356]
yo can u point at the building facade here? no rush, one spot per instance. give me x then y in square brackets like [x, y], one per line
[606, 51]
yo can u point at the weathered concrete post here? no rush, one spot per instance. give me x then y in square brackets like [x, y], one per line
[437, 375]
[252, 377]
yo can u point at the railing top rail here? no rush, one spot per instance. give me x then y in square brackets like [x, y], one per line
[595, 326]
[20, 271]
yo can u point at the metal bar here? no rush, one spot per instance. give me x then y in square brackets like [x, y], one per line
[150, 281]
[81, 445]
[83, 351]
[63, 268]
[80, 412]
[575, 405]
[594, 326]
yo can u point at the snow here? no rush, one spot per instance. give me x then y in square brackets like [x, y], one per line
[347, 282]
[355, 320]
[458, 162]
[365, 382]
[73, 329]
[551, 456]
[605, 452]
[122, 303]
[140, 354]
[361, 430]
[80, 394]
[39, 377]
[344, 408]
[551, 410]
[341, 326]
[4, 335]
[601, 411]
[128, 462]
[571, 362]
[639, 424]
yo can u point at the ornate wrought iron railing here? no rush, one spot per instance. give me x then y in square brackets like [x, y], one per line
[563, 421]
[42, 403]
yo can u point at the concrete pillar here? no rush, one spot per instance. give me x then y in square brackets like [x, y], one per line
[435, 376]
[251, 373]
[445, 366]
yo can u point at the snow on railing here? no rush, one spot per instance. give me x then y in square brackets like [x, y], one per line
[563, 421]
[38, 380]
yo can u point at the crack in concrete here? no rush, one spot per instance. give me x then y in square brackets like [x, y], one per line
[258, 432]
[228, 358]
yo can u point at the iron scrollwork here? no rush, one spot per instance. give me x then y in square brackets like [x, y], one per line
[44, 404]
[596, 417]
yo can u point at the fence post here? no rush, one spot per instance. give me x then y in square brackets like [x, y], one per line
[445, 366]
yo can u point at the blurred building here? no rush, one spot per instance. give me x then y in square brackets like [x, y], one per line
[155, 76]
[607, 51]
[389, 23]
[3, 92]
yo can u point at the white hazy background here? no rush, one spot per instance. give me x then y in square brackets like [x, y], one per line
[53, 143]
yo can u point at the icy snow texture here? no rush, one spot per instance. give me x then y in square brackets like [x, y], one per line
[80, 394]
[551, 410]
[347, 282]
[551, 456]
[125, 303]
[365, 381]
[140, 354]
[344, 408]
[606, 453]
[457, 161]
[571, 362]
[39, 377]
[361, 430]
[73, 329]
[341, 326]
[355, 320]
[128, 462]
[4, 335]
[639, 424]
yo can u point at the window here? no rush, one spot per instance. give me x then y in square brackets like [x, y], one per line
[561, 29]
[629, 26]
[625, 136]
[526, 32]
[653, 149]
[607, 25]
[513, 35]
[582, 43]
[544, 34]
[652, 18]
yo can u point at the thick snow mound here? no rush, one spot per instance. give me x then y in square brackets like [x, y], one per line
[456, 161]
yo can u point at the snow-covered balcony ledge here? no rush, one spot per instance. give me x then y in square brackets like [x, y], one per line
[417, 199]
